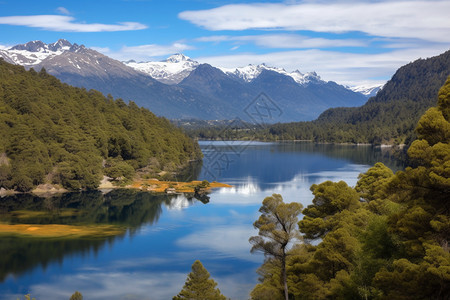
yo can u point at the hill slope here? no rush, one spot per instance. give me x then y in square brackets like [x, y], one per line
[54, 133]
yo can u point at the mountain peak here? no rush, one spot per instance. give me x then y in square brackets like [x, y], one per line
[178, 57]
[33, 46]
[61, 44]
[39, 46]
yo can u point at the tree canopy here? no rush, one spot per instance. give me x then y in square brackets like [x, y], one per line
[199, 285]
[277, 230]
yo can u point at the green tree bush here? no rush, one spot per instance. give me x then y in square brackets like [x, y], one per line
[199, 285]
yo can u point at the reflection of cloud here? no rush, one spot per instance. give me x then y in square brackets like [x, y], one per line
[297, 189]
[120, 280]
[136, 285]
[227, 241]
[349, 174]
[238, 285]
[248, 188]
[112, 285]
[179, 202]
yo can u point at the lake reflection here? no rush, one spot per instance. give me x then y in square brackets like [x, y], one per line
[165, 234]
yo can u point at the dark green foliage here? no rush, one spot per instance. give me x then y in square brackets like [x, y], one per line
[393, 243]
[54, 133]
[76, 296]
[199, 285]
[277, 230]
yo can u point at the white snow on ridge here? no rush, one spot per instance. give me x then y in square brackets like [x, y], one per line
[33, 53]
[172, 70]
[24, 57]
[367, 90]
[178, 66]
[250, 72]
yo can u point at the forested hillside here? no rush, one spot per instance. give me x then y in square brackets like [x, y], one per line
[51, 132]
[387, 238]
[389, 117]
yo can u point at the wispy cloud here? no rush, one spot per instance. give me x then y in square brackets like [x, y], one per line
[344, 68]
[427, 20]
[67, 24]
[293, 41]
[146, 52]
[63, 10]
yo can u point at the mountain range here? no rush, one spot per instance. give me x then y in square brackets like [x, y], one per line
[180, 88]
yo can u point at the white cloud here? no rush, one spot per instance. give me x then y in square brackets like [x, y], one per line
[146, 52]
[285, 41]
[67, 24]
[427, 20]
[63, 10]
[345, 68]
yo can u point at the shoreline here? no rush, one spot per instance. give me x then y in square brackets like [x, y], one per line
[309, 141]
[146, 185]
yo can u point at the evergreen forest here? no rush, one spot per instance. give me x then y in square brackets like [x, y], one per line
[54, 133]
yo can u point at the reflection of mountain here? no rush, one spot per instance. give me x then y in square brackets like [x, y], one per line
[20, 255]
[121, 207]
[362, 154]
[127, 208]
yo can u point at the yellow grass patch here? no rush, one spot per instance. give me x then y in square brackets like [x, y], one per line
[157, 186]
[61, 231]
[26, 214]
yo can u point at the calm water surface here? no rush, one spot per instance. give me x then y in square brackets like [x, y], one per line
[166, 234]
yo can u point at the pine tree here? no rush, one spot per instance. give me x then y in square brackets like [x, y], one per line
[76, 296]
[277, 229]
[199, 285]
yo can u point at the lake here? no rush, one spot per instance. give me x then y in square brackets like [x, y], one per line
[162, 235]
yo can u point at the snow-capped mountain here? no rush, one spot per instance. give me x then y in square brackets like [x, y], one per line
[180, 87]
[250, 72]
[367, 90]
[178, 66]
[33, 53]
[170, 71]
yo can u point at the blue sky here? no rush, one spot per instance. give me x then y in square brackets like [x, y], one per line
[347, 41]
